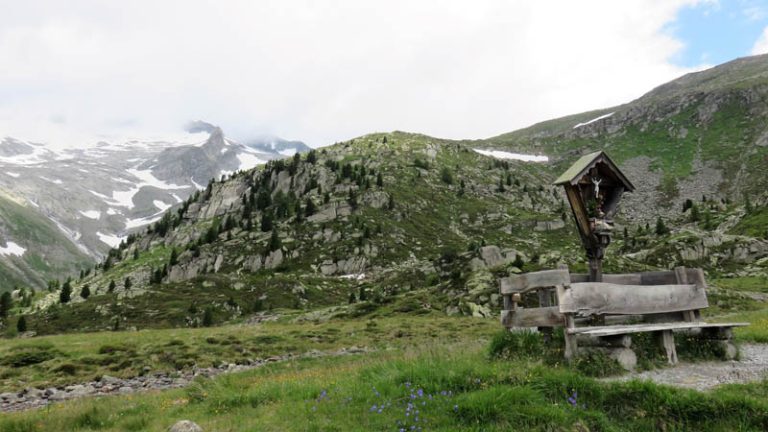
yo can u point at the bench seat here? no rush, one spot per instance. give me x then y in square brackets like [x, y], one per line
[614, 330]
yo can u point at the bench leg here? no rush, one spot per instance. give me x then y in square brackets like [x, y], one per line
[667, 341]
[571, 346]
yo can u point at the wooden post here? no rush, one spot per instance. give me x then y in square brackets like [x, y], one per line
[595, 269]
[681, 274]
[667, 341]
[571, 345]
[544, 302]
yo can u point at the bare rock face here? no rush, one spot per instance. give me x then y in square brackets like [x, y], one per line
[274, 259]
[185, 426]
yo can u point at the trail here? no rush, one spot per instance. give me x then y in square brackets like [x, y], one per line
[752, 366]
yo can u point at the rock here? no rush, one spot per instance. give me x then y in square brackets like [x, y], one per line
[491, 255]
[185, 426]
[625, 357]
[218, 263]
[274, 259]
[549, 225]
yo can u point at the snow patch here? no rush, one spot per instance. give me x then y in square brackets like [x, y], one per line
[112, 212]
[54, 181]
[359, 276]
[248, 161]
[148, 179]
[12, 248]
[91, 214]
[177, 198]
[161, 205]
[286, 152]
[13, 174]
[604, 116]
[198, 186]
[135, 223]
[110, 240]
[498, 154]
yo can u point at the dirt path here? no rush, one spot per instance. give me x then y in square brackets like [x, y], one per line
[753, 366]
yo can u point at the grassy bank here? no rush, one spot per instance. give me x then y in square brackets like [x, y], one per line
[73, 358]
[436, 388]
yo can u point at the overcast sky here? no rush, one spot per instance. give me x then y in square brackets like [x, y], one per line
[329, 70]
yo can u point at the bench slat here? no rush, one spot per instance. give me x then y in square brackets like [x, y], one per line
[529, 281]
[534, 317]
[600, 298]
[640, 328]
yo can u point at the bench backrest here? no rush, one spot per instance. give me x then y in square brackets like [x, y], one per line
[585, 299]
[668, 295]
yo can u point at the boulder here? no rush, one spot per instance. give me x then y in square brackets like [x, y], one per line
[185, 426]
[274, 259]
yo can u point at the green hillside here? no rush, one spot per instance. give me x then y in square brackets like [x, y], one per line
[48, 254]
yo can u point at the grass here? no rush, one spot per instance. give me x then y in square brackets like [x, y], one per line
[71, 358]
[446, 387]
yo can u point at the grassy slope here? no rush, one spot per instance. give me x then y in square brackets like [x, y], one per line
[445, 386]
[49, 254]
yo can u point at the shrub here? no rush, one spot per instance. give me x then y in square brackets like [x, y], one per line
[507, 345]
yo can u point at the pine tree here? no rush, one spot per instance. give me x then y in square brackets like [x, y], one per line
[446, 176]
[127, 283]
[661, 229]
[112, 286]
[266, 222]
[379, 180]
[174, 257]
[501, 188]
[6, 304]
[136, 254]
[21, 324]
[85, 292]
[274, 241]
[66, 293]
[309, 207]
[694, 213]
[208, 317]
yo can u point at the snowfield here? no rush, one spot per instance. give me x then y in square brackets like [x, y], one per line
[110, 240]
[12, 249]
[91, 214]
[604, 116]
[498, 154]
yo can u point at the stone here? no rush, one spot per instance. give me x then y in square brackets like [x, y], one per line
[274, 259]
[185, 426]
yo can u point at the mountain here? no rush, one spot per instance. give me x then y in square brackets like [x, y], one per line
[704, 134]
[99, 195]
[406, 222]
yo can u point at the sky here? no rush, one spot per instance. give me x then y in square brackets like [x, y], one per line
[74, 72]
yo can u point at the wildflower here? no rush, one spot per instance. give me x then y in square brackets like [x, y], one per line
[573, 399]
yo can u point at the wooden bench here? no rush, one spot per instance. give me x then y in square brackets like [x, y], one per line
[606, 314]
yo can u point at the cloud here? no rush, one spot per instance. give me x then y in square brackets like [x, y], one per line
[761, 45]
[324, 71]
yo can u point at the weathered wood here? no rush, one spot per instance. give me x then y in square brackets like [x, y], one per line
[599, 298]
[530, 281]
[627, 278]
[681, 275]
[534, 317]
[616, 341]
[640, 328]
[571, 343]
[667, 342]
[579, 213]
[507, 299]
[721, 333]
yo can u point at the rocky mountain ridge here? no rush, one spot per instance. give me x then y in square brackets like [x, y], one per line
[97, 196]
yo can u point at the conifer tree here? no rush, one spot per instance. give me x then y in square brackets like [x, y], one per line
[21, 324]
[6, 304]
[85, 292]
[66, 293]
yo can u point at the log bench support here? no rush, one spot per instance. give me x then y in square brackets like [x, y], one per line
[662, 302]
[667, 342]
